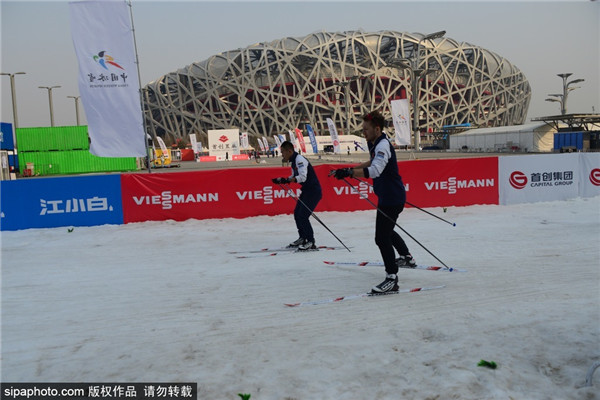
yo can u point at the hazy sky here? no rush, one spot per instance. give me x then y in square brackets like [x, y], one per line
[542, 38]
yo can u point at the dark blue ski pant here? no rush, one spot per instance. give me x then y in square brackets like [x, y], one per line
[302, 212]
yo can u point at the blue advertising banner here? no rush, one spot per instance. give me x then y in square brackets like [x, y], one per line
[313, 140]
[53, 202]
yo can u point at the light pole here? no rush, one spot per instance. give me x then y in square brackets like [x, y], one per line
[76, 98]
[49, 88]
[562, 98]
[413, 65]
[346, 86]
[14, 95]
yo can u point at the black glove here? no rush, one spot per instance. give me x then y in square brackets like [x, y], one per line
[343, 173]
[280, 180]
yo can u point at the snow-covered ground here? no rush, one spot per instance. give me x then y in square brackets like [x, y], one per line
[165, 301]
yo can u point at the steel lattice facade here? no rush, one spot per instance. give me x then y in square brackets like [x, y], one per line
[270, 88]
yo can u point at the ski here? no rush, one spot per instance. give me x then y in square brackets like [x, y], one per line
[361, 295]
[276, 253]
[281, 249]
[380, 264]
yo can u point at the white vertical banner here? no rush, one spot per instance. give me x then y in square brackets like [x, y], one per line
[162, 144]
[194, 143]
[108, 77]
[401, 119]
[266, 143]
[293, 140]
[334, 136]
[277, 140]
[244, 143]
[282, 137]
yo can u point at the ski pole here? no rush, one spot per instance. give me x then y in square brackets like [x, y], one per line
[388, 217]
[412, 205]
[291, 192]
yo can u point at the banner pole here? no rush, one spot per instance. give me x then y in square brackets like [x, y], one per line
[137, 63]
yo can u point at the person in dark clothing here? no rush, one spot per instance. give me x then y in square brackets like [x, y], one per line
[387, 185]
[304, 174]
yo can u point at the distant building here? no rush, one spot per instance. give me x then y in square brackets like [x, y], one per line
[270, 88]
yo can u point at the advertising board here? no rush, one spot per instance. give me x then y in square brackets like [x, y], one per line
[52, 202]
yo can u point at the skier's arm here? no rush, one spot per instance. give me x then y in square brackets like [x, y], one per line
[302, 165]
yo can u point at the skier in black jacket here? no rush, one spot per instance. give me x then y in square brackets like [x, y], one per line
[304, 174]
[387, 185]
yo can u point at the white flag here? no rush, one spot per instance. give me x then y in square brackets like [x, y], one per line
[277, 141]
[194, 143]
[334, 136]
[108, 77]
[401, 118]
[260, 144]
[162, 144]
[244, 144]
[293, 140]
[266, 143]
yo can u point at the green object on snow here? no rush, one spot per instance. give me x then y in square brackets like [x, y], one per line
[489, 364]
[245, 396]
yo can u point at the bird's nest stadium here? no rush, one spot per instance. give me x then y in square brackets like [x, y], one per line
[271, 88]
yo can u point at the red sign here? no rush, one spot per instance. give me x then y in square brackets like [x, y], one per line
[451, 182]
[246, 192]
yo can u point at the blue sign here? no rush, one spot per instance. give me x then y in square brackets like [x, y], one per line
[53, 202]
[6, 136]
[313, 140]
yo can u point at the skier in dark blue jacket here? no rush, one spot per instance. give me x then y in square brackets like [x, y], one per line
[387, 185]
[304, 174]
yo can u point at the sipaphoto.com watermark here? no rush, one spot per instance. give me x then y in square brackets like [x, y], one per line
[90, 390]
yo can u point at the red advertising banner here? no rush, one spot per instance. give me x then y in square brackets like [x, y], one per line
[451, 182]
[246, 192]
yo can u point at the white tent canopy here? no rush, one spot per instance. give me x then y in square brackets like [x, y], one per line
[535, 137]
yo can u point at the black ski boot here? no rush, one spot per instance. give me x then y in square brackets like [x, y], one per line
[390, 284]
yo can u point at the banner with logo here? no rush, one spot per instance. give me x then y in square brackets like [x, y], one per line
[265, 143]
[334, 136]
[534, 178]
[294, 141]
[589, 165]
[313, 140]
[108, 77]
[244, 143]
[277, 141]
[205, 194]
[282, 137]
[196, 146]
[401, 119]
[300, 140]
[450, 182]
[223, 143]
[69, 201]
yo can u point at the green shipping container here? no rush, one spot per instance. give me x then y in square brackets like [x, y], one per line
[73, 162]
[52, 138]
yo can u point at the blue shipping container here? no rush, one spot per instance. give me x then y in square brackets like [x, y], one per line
[6, 136]
[568, 139]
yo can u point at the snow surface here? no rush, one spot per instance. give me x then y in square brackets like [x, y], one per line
[165, 301]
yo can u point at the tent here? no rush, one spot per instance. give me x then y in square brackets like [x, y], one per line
[535, 137]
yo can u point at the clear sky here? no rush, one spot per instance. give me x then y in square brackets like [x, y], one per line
[542, 38]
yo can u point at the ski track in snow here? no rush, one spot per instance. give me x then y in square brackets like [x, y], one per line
[164, 301]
